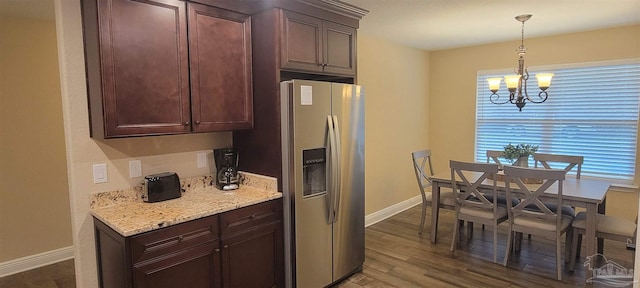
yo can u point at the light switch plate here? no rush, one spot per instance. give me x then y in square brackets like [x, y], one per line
[202, 159]
[135, 168]
[100, 173]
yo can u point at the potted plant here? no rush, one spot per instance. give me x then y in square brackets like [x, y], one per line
[519, 154]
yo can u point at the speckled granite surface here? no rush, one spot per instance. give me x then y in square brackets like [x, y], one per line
[125, 212]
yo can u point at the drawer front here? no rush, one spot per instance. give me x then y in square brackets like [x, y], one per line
[173, 238]
[250, 216]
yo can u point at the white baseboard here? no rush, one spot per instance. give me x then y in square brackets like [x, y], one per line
[385, 213]
[35, 261]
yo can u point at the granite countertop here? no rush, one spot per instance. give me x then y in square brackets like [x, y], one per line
[126, 213]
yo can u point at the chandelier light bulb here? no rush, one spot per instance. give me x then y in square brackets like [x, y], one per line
[494, 84]
[512, 81]
[544, 80]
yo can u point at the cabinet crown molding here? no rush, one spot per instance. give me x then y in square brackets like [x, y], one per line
[338, 7]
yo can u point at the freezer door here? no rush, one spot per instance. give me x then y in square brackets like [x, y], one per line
[310, 106]
[348, 229]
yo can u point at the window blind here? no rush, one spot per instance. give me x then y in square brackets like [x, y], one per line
[592, 110]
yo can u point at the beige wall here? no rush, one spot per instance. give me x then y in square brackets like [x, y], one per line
[34, 199]
[396, 81]
[161, 153]
[453, 87]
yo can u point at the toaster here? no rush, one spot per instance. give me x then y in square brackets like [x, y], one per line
[161, 187]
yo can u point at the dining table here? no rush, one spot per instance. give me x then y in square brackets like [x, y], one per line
[585, 193]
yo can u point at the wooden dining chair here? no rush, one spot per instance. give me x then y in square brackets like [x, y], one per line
[423, 170]
[568, 161]
[607, 227]
[472, 205]
[542, 221]
[493, 156]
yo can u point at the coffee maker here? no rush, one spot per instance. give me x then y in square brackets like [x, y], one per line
[226, 168]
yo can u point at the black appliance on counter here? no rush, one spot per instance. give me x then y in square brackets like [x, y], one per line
[226, 168]
[161, 187]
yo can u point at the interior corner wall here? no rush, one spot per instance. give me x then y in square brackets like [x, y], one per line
[453, 86]
[176, 153]
[34, 199]
[396, 81]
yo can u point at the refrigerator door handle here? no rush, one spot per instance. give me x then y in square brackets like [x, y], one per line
[331, 190]
[338, 189]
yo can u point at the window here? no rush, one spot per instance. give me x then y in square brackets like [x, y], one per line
[592, 110]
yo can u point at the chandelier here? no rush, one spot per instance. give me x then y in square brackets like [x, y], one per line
[517, 84]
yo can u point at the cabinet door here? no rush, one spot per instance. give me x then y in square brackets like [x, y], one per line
[197, 267]
[144, 67]
[301, 42]
[254, 259]
[220, 58]
[339, 48]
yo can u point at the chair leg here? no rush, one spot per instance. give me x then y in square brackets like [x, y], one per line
[568, 245]
[423, 217]
[454, 238]
[579, 245]
[574, 249]
[469, 230]
[506, 252]
[558, 257]
[495, 242]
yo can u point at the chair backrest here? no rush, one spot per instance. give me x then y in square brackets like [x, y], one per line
[422, 168]
[495, 155]
[550, 177]
[470, 192]
[571, 161]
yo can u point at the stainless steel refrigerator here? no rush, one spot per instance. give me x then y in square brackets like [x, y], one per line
[323, 181]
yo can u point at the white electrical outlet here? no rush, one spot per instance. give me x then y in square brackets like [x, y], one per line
[99, 173]
[135, 168]
[202, 159]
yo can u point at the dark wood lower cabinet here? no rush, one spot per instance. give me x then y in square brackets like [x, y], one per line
[239, 248]
[193, 267]
[249, 260]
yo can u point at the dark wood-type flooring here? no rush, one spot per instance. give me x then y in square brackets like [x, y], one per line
[58, 275]
[396, 256]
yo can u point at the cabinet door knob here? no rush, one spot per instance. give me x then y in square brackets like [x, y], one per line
[186, 123]
[217, 249]
[197, 121]
[225, 246]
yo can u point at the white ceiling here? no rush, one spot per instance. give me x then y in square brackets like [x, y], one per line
[444, 24]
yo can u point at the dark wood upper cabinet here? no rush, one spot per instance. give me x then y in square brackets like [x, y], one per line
[220, 65]
[138, 67]
[140, 58]
[314, 45]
